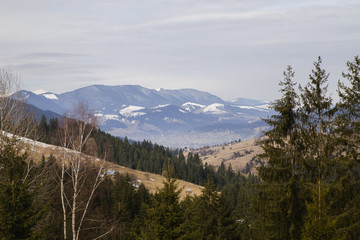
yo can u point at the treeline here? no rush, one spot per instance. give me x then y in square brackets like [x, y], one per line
[145, 156]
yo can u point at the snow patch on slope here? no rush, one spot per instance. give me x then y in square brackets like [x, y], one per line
[214, 108]
[50, 96]
[189, 106]
[161, 106]
[263, 108]
[132, 111]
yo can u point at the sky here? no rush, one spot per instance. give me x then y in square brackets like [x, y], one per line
[230, 48]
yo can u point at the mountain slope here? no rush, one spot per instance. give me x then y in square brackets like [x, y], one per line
[175, 118]
[241, 155]
[152, 182]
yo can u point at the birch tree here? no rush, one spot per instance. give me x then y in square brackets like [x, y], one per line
[76, 128]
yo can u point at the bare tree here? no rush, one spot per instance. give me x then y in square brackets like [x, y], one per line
[77, 127]
[14, 117]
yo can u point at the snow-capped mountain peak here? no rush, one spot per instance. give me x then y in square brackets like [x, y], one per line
[185, 117]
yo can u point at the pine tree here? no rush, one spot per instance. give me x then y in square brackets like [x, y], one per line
[124, 204]
[209, 217]
[316, 117]
[18, 213]
[319, 225]
[346, 205]
[279, 201]
[43, 130]
[164, 217]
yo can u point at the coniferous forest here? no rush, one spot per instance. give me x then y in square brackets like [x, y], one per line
[309, 187]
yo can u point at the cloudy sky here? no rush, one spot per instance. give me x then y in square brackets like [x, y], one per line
[231, 48]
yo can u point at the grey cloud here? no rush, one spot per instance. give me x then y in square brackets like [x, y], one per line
[30, 66]
[229, 47]
[52, 55]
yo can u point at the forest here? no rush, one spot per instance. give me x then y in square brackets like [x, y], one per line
[309, 187]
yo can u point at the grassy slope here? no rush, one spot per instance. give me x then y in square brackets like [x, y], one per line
[151, 181]
[236, 154]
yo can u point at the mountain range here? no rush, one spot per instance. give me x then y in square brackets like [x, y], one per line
[174, 118]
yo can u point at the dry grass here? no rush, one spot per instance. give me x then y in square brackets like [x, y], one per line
[236, 154]
[152, 182]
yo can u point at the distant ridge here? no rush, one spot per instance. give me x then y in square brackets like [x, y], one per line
[174, 118]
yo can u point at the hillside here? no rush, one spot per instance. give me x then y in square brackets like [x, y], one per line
[238, 154]
[151, 181]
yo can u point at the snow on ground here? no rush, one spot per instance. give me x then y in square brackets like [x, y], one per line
[34, 143]
[161, 106]
[264, 107]
[214, 109]
[188, 106]
[193, 104]
[111, 117]
[28, 141]
[50, 96]
[131, 111]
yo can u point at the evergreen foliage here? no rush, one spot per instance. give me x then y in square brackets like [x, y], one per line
[209, 217]
[279, 202]
[346, 191]
[164, 217]
[19, 214]
[317, 115]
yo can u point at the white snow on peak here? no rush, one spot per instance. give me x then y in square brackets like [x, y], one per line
[50, 96]
[214, 108]
[161, 106]
[192, 104]
[131, 111]
[188, 106]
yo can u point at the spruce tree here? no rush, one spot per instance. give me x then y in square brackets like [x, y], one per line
[164, 217]
[43, 130]
[18, 213]
[279, 202]
[316, 118]
[209, 217]
[346, 204]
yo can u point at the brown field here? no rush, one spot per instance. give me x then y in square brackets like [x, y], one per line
[237, 154]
